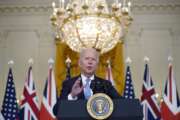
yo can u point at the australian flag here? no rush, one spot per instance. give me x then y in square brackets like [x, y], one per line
[128, 89]
[151, 109]
[10, 107]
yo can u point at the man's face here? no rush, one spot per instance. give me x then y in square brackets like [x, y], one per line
[88, 62]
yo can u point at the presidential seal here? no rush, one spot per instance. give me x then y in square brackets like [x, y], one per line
[100, 106]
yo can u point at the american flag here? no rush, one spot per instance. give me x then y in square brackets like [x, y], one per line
[29, 109]
[49, 98]
[10, 106]
[128, 89]
[170, 106]
[149, 102]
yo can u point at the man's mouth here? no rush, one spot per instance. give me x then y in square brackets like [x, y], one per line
[89, 67]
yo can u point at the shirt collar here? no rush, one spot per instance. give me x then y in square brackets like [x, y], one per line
[83, 77]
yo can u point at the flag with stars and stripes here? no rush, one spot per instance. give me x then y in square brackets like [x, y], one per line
[128, 89]
[10, 107]
[151, 110]
[49, 98]
[29, 108]
[170, 106]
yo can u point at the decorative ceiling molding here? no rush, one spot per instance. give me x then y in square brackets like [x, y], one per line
[24, 9]
[156, 8]
[48, 8]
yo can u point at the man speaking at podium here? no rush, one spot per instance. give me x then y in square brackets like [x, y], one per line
[82, 87]
[87, 83]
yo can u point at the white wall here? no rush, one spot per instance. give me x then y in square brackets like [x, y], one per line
[25, 32]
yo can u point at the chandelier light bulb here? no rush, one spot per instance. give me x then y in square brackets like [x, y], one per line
[129, 4]
[53, 5]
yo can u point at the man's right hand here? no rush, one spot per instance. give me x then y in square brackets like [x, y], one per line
[76, 89]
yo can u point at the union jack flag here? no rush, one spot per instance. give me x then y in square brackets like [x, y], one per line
[170, 106]
[149, 102]
[29, 109]
[49, 98]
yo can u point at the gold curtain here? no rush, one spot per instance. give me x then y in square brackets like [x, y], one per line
[115, 56]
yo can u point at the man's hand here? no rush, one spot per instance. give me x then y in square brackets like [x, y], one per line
[76, 89]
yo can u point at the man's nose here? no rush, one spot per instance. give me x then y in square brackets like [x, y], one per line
[89, 61]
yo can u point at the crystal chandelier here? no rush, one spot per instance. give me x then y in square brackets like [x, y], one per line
[91, 23]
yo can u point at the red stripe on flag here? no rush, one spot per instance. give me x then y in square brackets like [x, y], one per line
[49, 87]
[147, 96]
[29, 99]
[170, 83]
[167, 114]
[44, 113]
[29, 115]
[108, 73]
[28, 79]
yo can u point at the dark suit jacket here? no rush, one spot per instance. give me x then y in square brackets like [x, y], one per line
[67, 86]
[109, 89]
